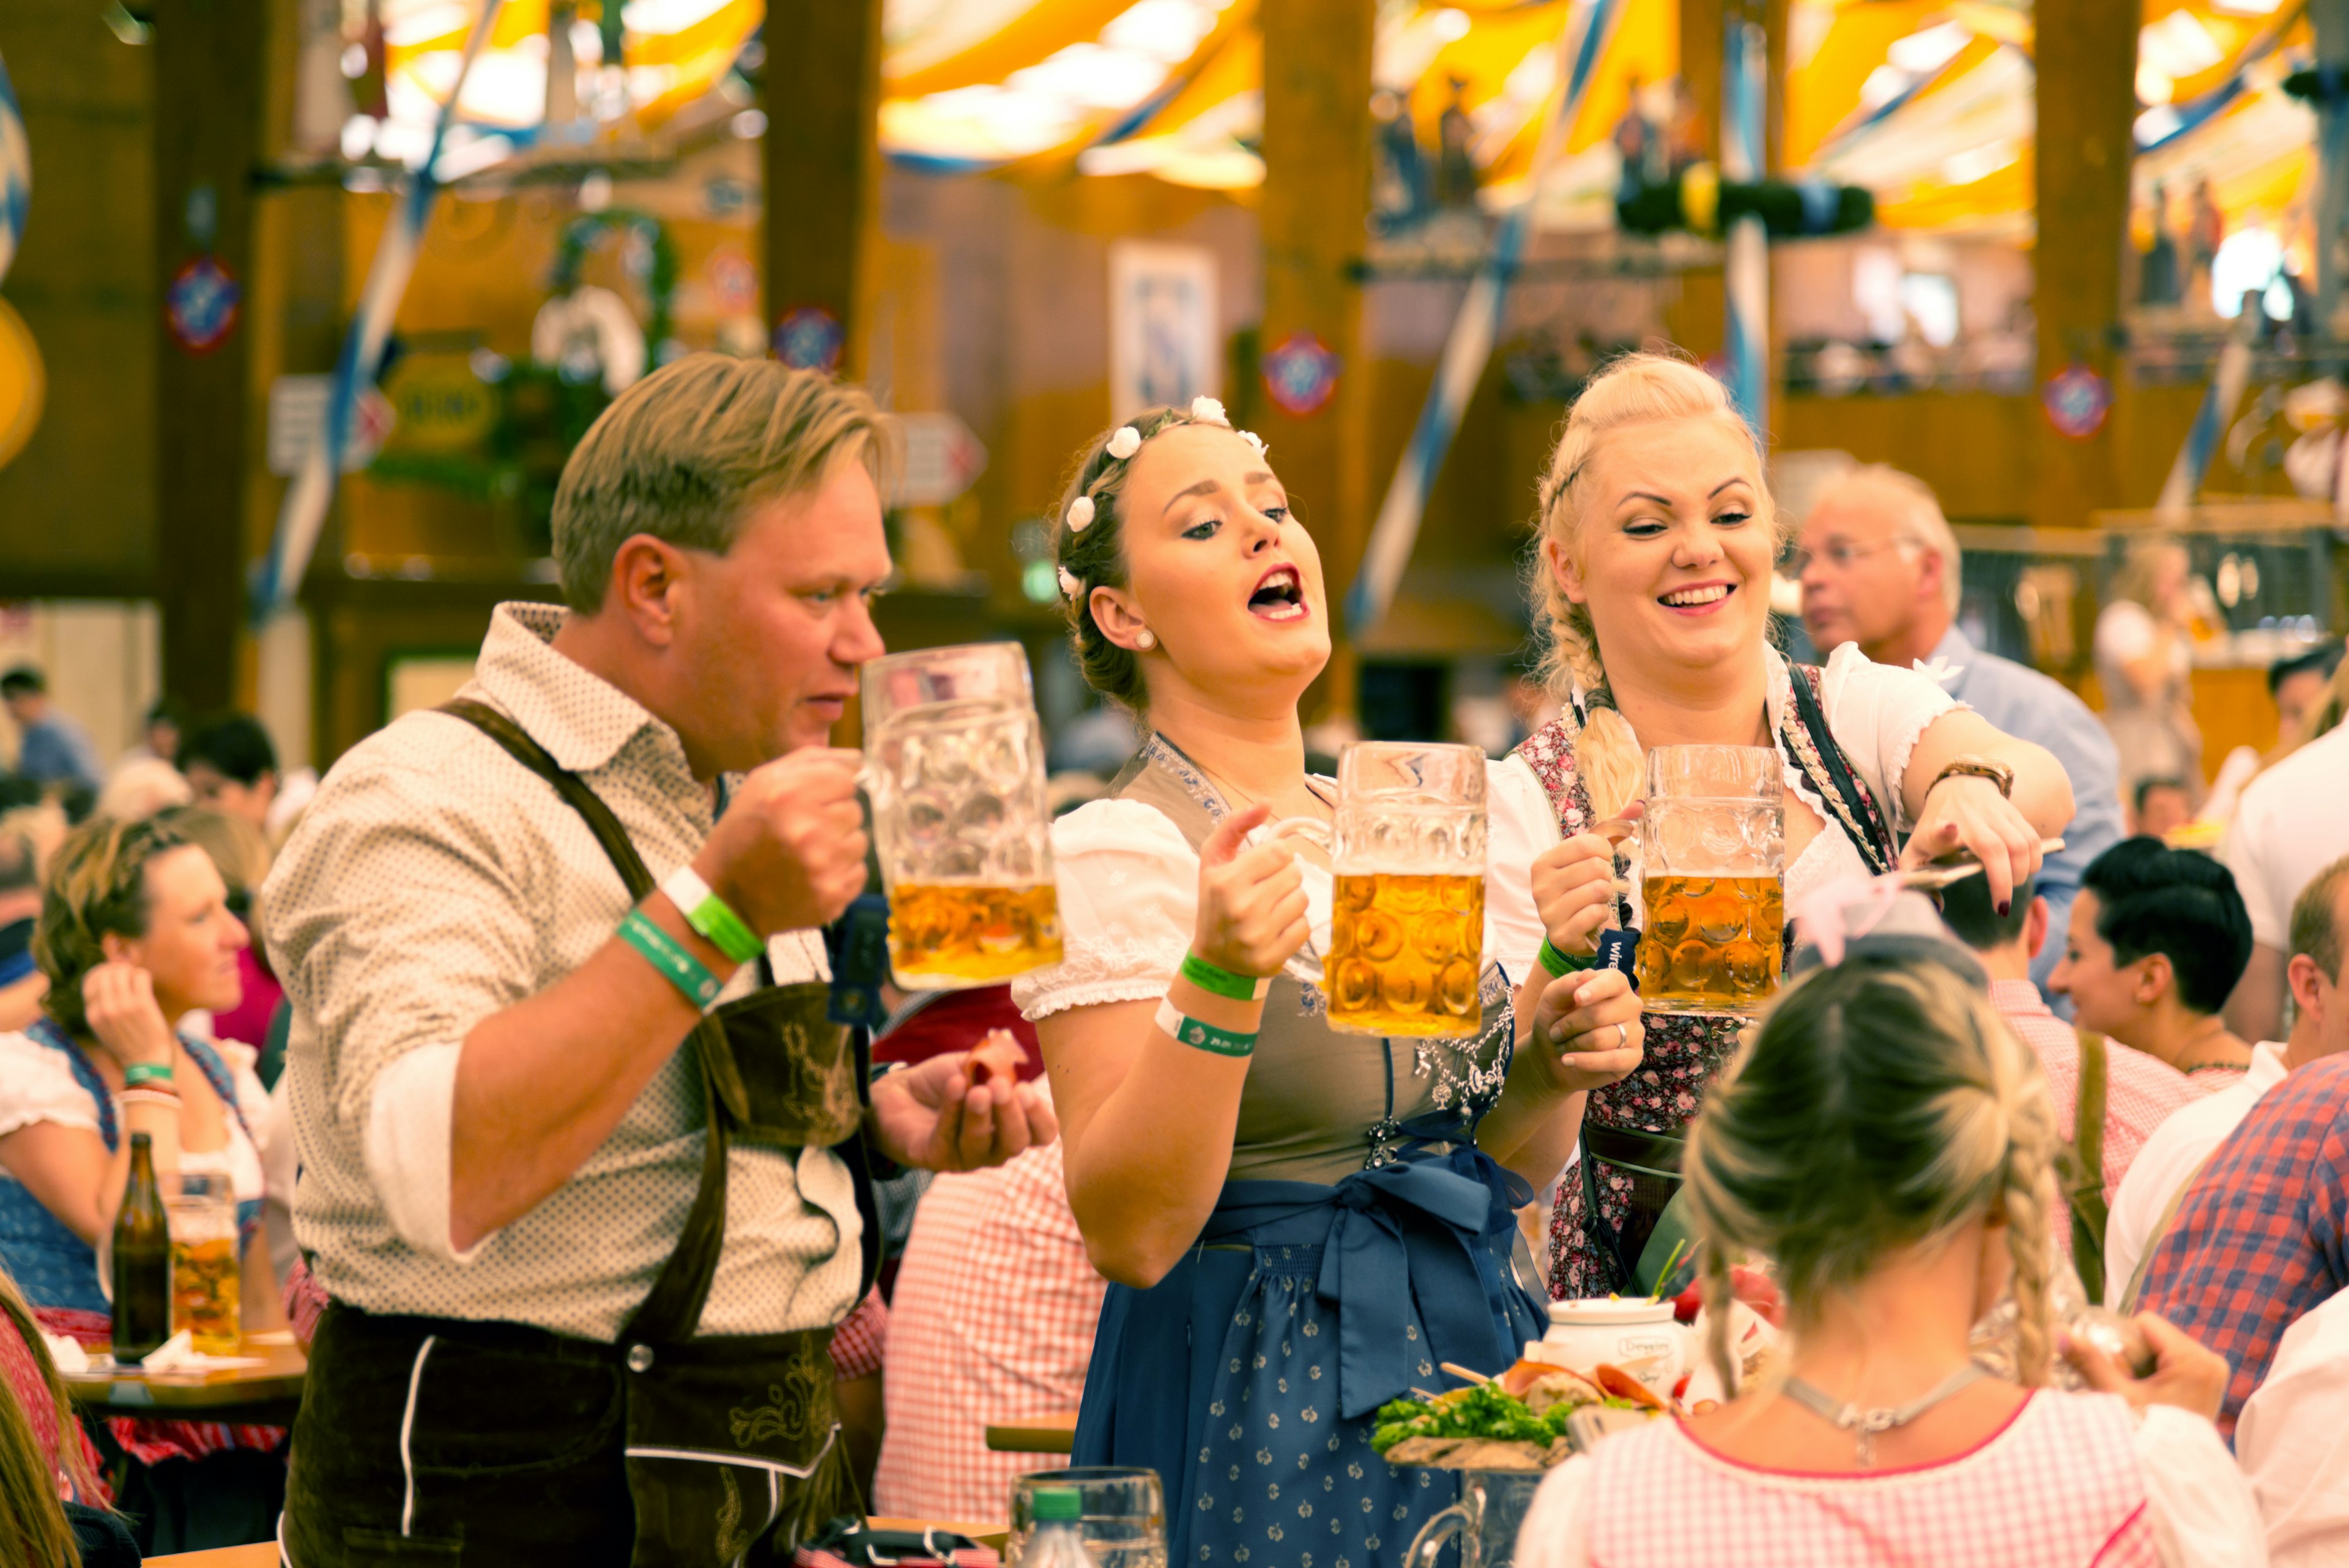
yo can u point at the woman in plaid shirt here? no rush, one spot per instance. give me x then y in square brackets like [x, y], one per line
[1887, 1143]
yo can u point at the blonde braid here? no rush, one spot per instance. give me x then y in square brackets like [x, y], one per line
[2026, 1197]
[1718, 1297]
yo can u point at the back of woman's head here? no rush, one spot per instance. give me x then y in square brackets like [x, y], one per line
[2179, 903]
[97, 888]
[1634, 389]
[1882, 1105]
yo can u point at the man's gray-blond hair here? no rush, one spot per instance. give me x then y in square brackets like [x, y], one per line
[1917, 515]
[688, 452]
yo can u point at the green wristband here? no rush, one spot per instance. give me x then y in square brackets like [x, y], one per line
[710, 915]
[677, 966]
[1202, 1036]
[1559, 963]
[1223, 982]
[139, 1073]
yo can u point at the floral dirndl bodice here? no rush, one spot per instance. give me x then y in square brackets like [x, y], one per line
[1683, 1052]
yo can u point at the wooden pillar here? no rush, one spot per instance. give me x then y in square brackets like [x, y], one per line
[824, 168]
[2086, 103]
[2330, 18]
[210, 62]
[1316, 199]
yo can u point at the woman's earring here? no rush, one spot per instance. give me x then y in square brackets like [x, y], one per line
[1146, 639]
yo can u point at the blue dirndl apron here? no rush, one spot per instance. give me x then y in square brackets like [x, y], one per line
[1248, 1376]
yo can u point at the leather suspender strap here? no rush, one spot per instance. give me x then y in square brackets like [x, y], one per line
[672, 1309]
[1861, 821]
[2084, 1180]
[2159, 1234]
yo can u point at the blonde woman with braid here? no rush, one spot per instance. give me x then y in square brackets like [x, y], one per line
[1887, 1144]
[1652, 587]
[1299, 1225]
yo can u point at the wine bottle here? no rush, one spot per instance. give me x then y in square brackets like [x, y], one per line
[143, 1260]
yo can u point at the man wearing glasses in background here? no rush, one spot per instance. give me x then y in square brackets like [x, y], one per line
[1880, 567]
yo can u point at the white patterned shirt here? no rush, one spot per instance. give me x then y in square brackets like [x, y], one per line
[435, 881]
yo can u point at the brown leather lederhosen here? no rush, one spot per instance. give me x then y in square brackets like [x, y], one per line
[724, 1441]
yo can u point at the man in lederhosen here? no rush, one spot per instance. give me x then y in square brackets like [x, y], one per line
[584, 1162]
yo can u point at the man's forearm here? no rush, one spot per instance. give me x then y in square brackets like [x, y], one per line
[542, 1085]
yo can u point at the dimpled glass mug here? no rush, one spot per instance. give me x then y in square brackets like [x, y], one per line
[1407, 912]
[954, 764]
[1713, 868]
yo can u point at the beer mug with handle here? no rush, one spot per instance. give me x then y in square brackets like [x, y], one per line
[1407, 912]
[955, 768]
[1713, 867]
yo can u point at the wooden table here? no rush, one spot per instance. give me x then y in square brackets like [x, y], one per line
[1036, 1434]
[264, 1395]
[262, 1556]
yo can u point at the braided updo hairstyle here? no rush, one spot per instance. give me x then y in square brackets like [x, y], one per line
[1093, 555]
[1881, 1103]
[1636, 389]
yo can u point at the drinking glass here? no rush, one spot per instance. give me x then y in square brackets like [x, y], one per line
[1712, 862]
[1123, 1520]
[205, 1270]
[955, 768]
[1407, 918]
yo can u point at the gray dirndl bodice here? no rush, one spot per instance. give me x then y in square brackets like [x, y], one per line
[1321, 1104]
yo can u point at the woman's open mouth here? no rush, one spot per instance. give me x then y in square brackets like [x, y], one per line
[1700, 599]
[1280, 595]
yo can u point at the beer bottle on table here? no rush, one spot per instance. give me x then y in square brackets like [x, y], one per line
[143, 1260]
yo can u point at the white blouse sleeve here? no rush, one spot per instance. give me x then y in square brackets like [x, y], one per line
[37, 1084]
[2294, 1444]
[1557, 1531]
[2201, 1508]
[1520, 824]
[1129, 890]
[1876, 713]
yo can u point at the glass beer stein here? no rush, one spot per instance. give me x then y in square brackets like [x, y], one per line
[1713, 863]
[1407, 916]
[954, 758]
[205, 1270]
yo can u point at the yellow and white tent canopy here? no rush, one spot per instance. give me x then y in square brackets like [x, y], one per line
[1928, 103]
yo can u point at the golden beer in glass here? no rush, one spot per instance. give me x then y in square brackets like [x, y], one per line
[978, 935]
[955, 768]
[1407, 916]
[205, 1275]
[1712, 853]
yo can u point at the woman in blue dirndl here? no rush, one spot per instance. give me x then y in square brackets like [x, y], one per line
[1298, 1224]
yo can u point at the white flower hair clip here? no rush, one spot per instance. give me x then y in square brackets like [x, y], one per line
[1081, 513]
[1125, 442]
[1070, 587]
[1206, 408]
[1253, 439]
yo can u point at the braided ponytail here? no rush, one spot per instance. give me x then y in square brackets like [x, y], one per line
[1635, 388]
[1881, 1105]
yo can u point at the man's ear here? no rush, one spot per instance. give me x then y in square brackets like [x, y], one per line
[2305, 981]
[1118, 618]
[1930, 570]
[1562, 572]
[2034, 927]
[646, 576]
